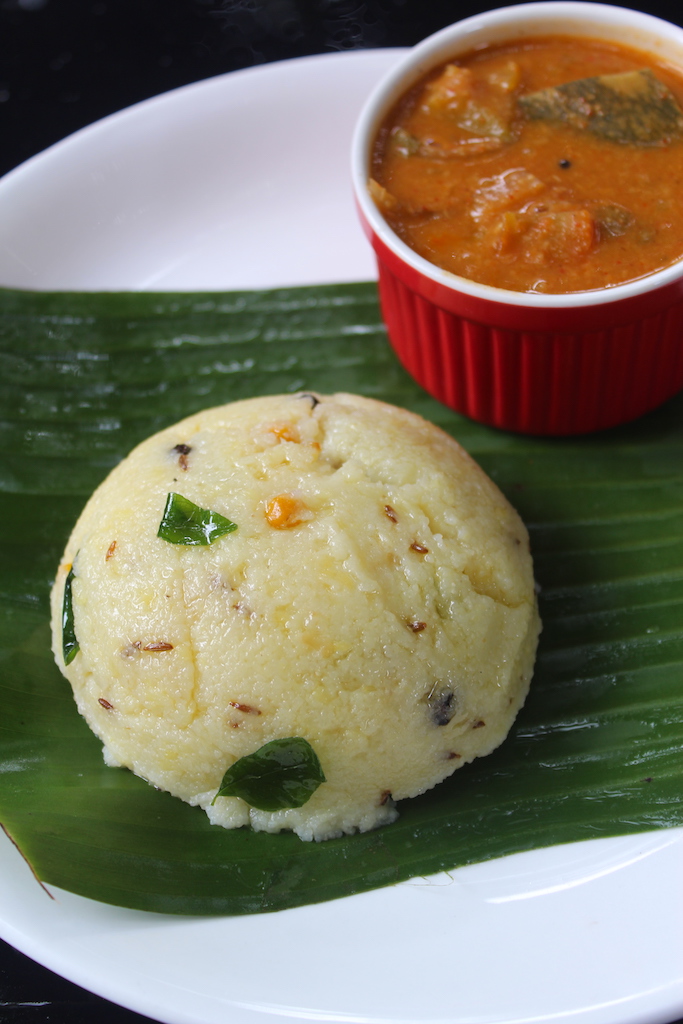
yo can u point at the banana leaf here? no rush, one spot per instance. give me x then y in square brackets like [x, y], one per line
[596, 751]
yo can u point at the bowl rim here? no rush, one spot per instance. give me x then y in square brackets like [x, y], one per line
[583, 18]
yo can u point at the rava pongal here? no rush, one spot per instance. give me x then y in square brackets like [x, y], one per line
[295, 611]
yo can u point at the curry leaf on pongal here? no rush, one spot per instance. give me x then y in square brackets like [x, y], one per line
[70, 645]
[183, 522]
[281, 774]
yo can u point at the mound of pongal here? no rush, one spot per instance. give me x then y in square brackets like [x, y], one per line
[296, 610]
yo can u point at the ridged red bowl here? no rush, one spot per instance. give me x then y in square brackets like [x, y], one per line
[526, 362]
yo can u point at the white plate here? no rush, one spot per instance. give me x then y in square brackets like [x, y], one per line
[237, 182]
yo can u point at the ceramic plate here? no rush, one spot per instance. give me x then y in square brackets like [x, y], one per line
[237, 182]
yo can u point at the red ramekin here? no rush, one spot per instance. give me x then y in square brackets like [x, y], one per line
[526, 362]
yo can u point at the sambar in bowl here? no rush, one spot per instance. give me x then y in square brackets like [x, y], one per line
[519, 176]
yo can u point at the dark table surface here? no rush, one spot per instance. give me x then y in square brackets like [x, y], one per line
[67, 63]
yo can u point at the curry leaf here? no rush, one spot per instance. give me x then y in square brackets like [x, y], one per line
[183, 522]
[70, 645]
[283, 773]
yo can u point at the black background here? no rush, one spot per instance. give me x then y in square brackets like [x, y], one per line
[67, 63]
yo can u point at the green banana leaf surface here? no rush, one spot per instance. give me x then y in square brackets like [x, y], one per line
[596, 751]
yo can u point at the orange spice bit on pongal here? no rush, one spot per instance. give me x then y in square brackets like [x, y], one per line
[286, 511]
[285, 432]
[290, 432]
